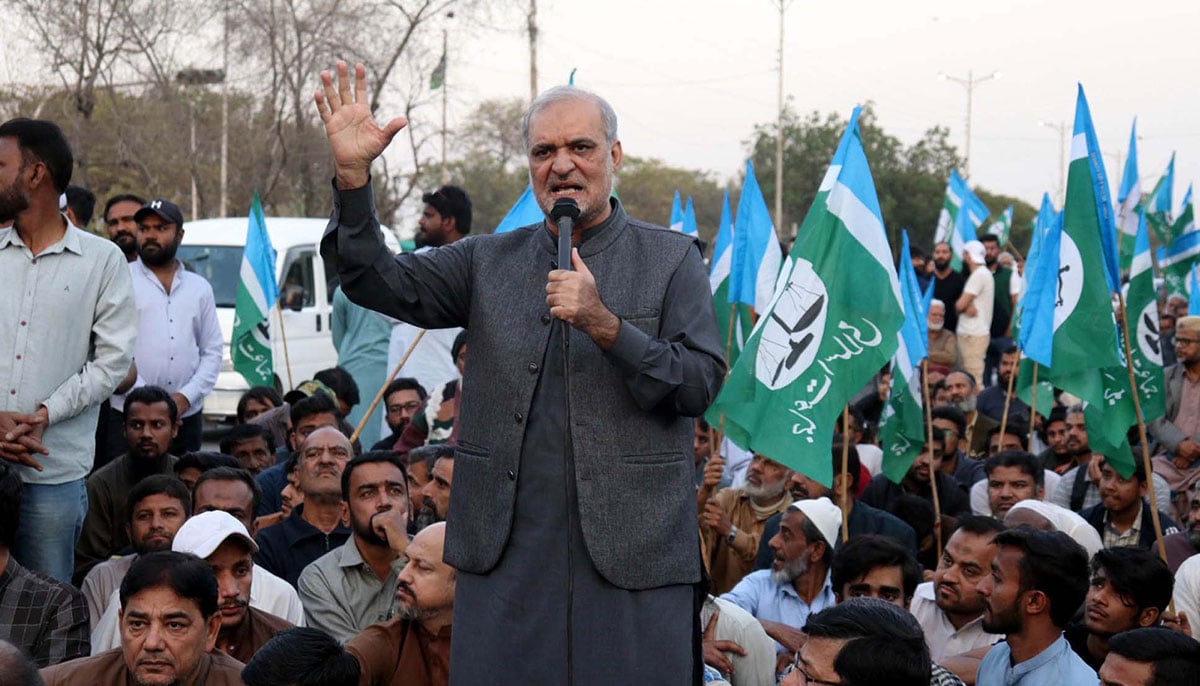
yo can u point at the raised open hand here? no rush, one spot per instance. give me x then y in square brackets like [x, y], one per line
[354, 136]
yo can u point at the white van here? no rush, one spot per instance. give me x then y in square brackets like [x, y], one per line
[213, 249]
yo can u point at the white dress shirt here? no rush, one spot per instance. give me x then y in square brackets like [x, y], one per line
[180, 342]
[940, 634]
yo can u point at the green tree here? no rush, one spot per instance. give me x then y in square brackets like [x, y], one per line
[910, 179]
[647, 186]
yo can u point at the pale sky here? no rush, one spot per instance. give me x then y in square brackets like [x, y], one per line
[689, 80]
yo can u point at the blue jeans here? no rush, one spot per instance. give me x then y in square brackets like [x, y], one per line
[51, 520]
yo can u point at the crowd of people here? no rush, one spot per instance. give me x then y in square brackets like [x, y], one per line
[305, 551]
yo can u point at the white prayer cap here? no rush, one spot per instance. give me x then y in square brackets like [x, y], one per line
[824, 515]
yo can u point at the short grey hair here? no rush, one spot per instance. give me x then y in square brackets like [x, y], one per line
[563, 93]
[935, 301]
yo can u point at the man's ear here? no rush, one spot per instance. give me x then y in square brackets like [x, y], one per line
[1148, 617]
[618, 154]
[214, 628]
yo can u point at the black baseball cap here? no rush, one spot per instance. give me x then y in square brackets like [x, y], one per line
[166, 209]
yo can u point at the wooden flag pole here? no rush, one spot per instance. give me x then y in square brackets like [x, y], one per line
[1012, 377]
[717, 436]
[1137, 406]
[283, 338]
[395, 372]
[937, 506]
[845, 497]
[1032, 401]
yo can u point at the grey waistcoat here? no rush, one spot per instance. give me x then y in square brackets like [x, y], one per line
[633, 465]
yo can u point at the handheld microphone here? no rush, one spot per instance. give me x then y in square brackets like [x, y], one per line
[564, 213]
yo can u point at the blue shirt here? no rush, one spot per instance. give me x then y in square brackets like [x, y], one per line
[1057, 665]
[761, 596]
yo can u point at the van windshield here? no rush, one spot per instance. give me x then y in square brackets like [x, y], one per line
[220, 264]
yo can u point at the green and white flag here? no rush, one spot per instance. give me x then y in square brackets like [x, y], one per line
[962, 214]
[831, 325]
[1002, 227]
[1141, 309]
[902, 426]
[1129, 200]
[257, 293]
[1086, 359]
[1158, 204]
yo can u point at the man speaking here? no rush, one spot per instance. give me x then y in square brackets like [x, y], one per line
[572, 519]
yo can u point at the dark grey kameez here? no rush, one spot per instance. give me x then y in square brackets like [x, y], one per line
[614, 520]
[617, 636]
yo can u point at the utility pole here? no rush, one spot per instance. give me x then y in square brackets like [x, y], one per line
[445, 170]
[969, 83]
[1061, 128]
[533, 34]
[225, 115]
[779, 230]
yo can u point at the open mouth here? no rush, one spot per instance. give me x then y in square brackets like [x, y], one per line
[565, 190]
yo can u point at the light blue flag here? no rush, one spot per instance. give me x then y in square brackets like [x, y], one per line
[1036, 336]
[1194, 296]
[1187, 200]
[676, 214]
[1129, 198]
[523, 213]
[756, 254]
[689, 219]
[915, 330]
[1085, 135]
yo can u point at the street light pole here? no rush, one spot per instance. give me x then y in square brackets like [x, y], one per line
[1061, 128]
[970, 82]
[225, 115]
[779, 130]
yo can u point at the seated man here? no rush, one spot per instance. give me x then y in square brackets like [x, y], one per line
[951, 425]
[301, 657]
[872, 566]
[1038, 580]
[1123, 516]
[881, 493]
[45, 619]
[1151, 656]
[223, 542]
[862, 519]
[158, 506]
[402, 399]
[1012, 476]
[1057, 456]
[1079, 487]
[732, 520]
[991, 400]
[798, 583]
[164, 594]
[413, 648]
[435, 494]
[351, 587]
[1130, 589]
[235, 492]
[735, 644]
[1178, 431]
[306, 415]
[151, 422]
[315, 527]
[950, 608]
[225, 490]
[863, 642]
[1186, 543]
[252, 445]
